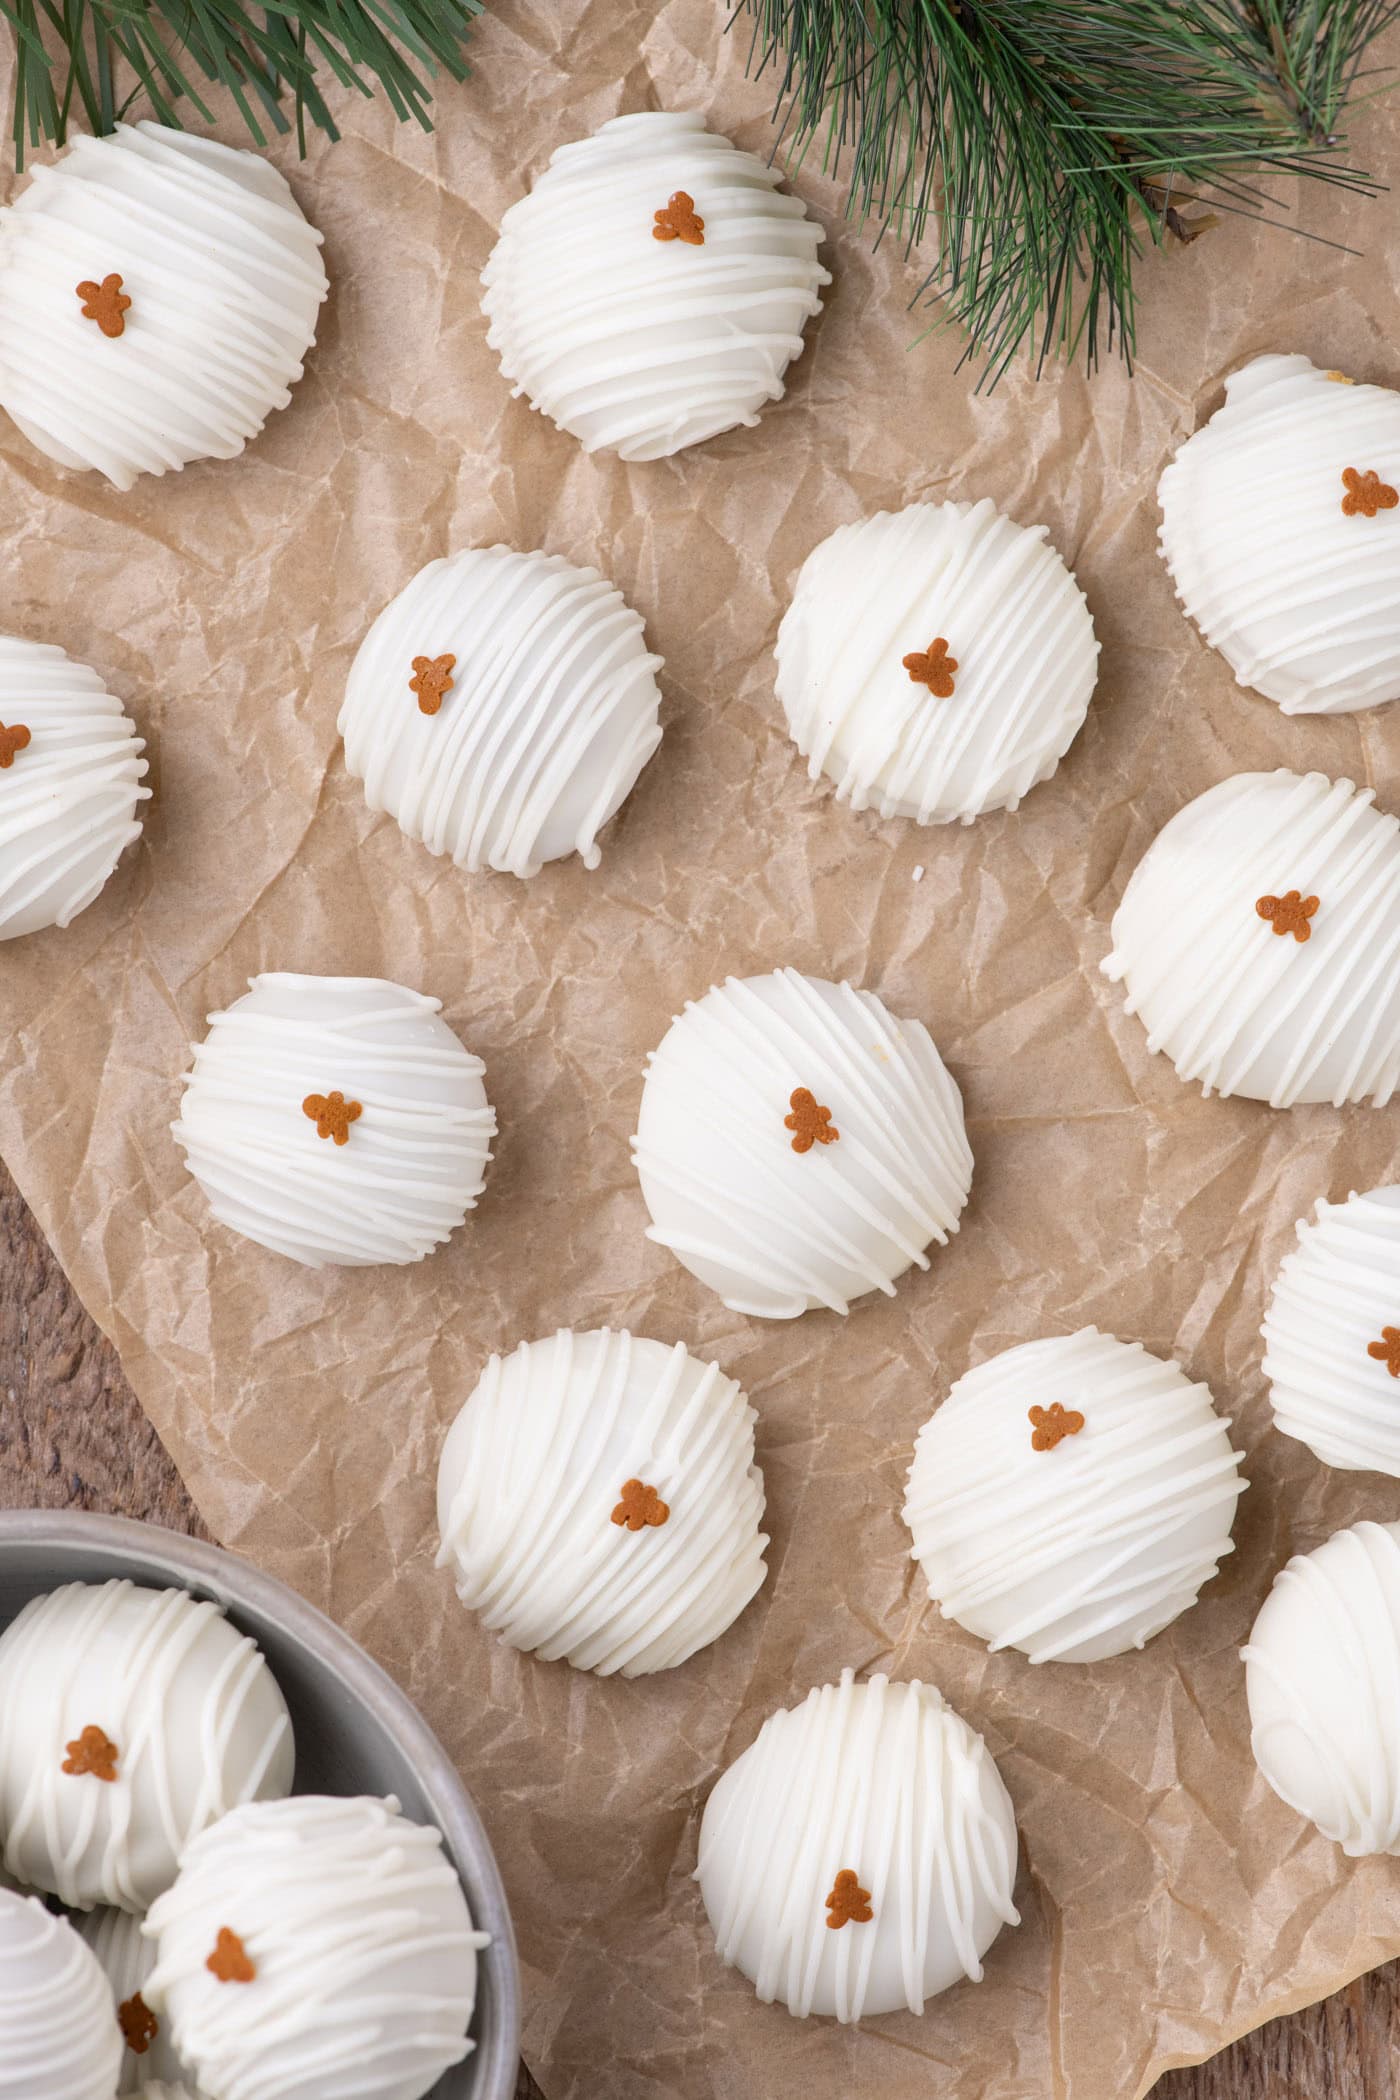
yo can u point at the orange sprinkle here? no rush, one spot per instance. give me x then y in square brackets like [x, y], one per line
[12, 740]
[848, 1903]
[229, 1961]
[1387, 1350]
[1289, 913]
[105, 303]
[640, 1506]
[431, 680]
[812, 1123]
[933, 667]
[332, 1114]
[1049, 1425]
[1366, 493]
[138, 2024]
[677, 221]
[93, 1755]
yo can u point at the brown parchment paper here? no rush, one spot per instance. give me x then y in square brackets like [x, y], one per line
[1170, 1901]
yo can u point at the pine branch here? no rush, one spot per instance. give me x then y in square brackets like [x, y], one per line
[95, 57]
[1041, 145]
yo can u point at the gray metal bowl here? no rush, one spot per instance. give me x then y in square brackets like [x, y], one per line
[356, 1733]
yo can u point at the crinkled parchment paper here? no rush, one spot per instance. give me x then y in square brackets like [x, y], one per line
[1170, 1901]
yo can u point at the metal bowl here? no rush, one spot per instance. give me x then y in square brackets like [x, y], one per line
[356, 1733]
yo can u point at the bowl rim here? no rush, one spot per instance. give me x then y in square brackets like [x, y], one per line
[497, 2056]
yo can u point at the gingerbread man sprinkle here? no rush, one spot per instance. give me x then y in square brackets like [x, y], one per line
[12, 741]
[1289, 913]
[933, 667]
[1366, 493]
[431, 681]
[105, 303]
[229, 1961]
[1387, 1350]
[92, 1756]
[810, 1123]
[640, 1506]
[332, 1114]
[848, 1903]
[1050, 1425]
[138, 2024]
[677, 221]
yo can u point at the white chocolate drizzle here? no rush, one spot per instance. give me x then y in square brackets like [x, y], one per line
[1015, 622]
[68, 800]
[415, 1161]
[224, 277]
[1322, 1673]
[1334, 1296]
[1090, 1548]
[363, 1948]
[882, 1780]
[59, 2038]
[551, 716]
[774, 1231]
[198, 1723]
[127, 1958]
[534, 1466]
[641, 346]
[1302, 600]
[1233, 1004]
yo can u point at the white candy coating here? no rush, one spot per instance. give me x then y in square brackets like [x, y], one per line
[536, 1463]
[638, 345]
[126, 1958]
[1333, 1298]
[1015, 623]
[1322, 1674]
[1092, 1546]
[59, 2038]
[1237, 1006]
[193, 1709]
[550, 718]
[776, 1231]
[68, 799]
[883, 1781]
[414, 1161]
[224, 277]
[1301, 599]
[363, 1947]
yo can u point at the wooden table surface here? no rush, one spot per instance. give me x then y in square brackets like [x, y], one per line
[72, 1436]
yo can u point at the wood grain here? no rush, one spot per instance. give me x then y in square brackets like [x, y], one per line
[72, 1436]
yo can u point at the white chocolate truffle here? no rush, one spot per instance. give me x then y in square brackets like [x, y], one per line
[652, 288]
[129, 1719]
[357, 1932]
[1332, 1334]
[59, 2038]
[1071, 1497]
[70, 782]
[337, 1120]
[501, 708]
[224, 280]
[798, 1145]
[126, 1958]
[1321, 1673]
[935, 662]
[598, 1500]
[1259, 940]
[860, 1856]
[1282, 534]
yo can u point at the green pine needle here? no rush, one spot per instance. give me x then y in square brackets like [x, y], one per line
[93, 58]
[1039, 144]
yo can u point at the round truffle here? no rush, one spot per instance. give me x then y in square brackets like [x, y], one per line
[935, 662]
[158, 293]
[58, 2031]
[70, 782]
[860, 1856]
[343, 1955]
[652, 288]
[1321, 1670]
[1332, 1335]
[798, 1145]
[129, 1719]
[149, 2063]
[337, 1120]
[1071, 1496]
[501, 708]
[1259, 940]
[598, 1500]
[1281, 530]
